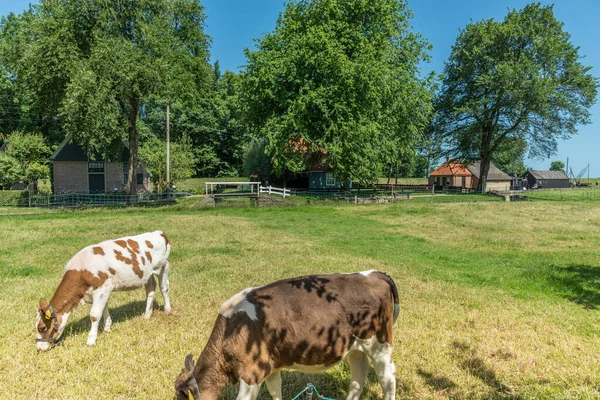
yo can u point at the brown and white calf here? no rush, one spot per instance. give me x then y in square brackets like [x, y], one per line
[96, 271]
[305, 324]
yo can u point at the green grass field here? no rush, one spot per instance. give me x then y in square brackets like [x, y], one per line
[499, 300]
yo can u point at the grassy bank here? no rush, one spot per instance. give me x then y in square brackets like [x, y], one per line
[499, 300]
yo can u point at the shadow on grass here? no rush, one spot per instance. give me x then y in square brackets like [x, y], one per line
[117, 314]
[436, 382]
[332, 384]
[578, 283]
[472, 364]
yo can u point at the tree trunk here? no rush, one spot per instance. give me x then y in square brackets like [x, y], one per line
[133, 148]
[483, 172]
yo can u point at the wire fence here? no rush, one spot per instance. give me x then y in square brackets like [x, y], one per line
[92, 200]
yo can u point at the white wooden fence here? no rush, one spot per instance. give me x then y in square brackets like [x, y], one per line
[273, 190]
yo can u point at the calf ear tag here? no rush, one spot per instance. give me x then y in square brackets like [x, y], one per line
[48, 314]
[190, 397]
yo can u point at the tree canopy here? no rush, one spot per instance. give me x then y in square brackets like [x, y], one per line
[98, 66]
[341, 76]
[513, 81]
[557, 166]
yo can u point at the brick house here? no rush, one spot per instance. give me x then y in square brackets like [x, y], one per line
[76, 170]
[467, 176]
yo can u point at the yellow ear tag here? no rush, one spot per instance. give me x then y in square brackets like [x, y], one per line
[48, 314]
[190, 397]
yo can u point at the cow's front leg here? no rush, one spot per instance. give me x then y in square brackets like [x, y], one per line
[99, 301]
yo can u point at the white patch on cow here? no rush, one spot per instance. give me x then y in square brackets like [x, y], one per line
[239, 303]
[367, 273]
[247, 391]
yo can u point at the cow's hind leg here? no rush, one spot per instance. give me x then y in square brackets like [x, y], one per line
[359, 367]
[99, 301]
[163, 281]
[273, 383]
[107, 319]
[150, 289]
[381, 356]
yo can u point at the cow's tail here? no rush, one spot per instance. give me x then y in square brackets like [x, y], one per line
[394, 290]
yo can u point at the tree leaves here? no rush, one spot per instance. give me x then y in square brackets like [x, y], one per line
[341, 75]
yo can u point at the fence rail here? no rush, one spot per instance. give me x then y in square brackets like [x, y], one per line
[274, 190]
[90, 200]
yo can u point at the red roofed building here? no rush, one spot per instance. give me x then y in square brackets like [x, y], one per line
[467, 176]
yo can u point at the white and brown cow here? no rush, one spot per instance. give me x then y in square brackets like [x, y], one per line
[96, 271]
[305, 324]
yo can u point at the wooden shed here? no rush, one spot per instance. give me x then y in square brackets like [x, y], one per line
[546, 179]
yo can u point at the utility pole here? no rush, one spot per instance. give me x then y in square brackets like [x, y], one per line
[567, 170]
[588, 173]
[168, 151]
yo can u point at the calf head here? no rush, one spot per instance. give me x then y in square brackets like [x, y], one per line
[186, 387]
[48, 325]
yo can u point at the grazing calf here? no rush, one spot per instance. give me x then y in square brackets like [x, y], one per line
[305, 324]
[94, 272]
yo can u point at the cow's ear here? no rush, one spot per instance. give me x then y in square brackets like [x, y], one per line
[189, 362]
[43, 303]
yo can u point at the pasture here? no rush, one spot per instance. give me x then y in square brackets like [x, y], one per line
[499, 300]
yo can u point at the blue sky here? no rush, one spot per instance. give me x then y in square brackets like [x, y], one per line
[233, 24]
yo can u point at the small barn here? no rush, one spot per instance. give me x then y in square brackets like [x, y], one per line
[75, 170]
[546, 179]
[467, 176]
[318, 176]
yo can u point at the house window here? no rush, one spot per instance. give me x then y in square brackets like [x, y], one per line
[140, 179]
[125, 173]
[436, 180]
[96, 167]
[447, 179]
[329, 179]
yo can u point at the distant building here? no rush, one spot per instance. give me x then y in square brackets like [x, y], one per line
[73, 170]
[467, 176]
[318, 175]
[546, 179]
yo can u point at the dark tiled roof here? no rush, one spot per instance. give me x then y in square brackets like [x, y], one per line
[548, 174]
[494, 173]
[70, 150]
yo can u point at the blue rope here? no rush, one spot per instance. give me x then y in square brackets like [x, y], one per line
[311, 386]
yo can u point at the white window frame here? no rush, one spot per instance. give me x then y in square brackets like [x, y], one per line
[329, 177]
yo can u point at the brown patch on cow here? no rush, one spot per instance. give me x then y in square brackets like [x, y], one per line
[94, 319]
[133, 245]
[121, 243]
[149, 256]
[121, 257]
[149, 244]
[133, 261]
[165, 237]
[98, 250]
[143, 261]
[112, 271]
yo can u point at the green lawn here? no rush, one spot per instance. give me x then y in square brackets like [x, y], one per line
[577, 194]
[499, 300]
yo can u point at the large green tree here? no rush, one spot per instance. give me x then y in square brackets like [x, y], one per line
[97, 66]
[342, 76]
[520, 79]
